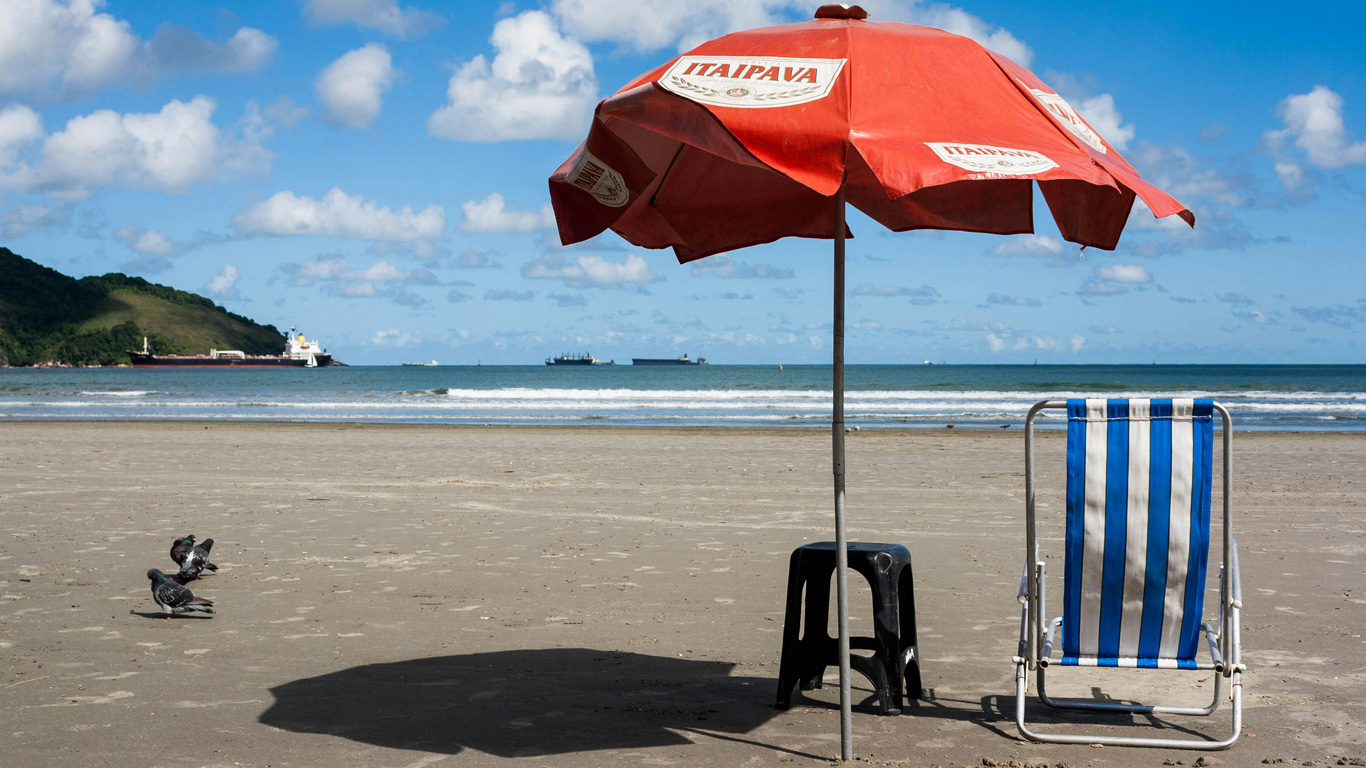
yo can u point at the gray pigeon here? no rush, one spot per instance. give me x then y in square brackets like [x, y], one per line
[175, 598]
[193, 558]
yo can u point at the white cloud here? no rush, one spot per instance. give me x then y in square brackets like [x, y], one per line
[19, 127]
[385, 16]
[592, 271]
[492, 215]
[1124, 273]
[1012, 301]
[68, 46]
[393, 338]
[725, 266]
[379, 280]
[147, 242]
[338, 214]
[21, 219]
[951, 19]
[258, 124]
[1050, 250]
[923, 295]
[540, 85]
[351, 88]
[648, 25]
[172, 150]
[1315, 122]
[1007, 342]
[224, 284]
[1100, 112]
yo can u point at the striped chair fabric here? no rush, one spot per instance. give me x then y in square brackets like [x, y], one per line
[1137, 540]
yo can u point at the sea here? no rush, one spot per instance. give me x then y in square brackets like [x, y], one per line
[1261, 397]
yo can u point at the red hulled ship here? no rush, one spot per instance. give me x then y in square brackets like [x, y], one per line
[299, 353]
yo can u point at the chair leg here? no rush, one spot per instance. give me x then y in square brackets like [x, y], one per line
[1127, 741]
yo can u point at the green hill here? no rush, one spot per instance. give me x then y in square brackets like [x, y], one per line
[49, 318]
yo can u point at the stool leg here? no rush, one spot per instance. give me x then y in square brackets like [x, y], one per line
[816, 641]
[789, 668]
[886, 632]
[909, 643]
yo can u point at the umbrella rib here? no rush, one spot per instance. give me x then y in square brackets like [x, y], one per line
[665, 176]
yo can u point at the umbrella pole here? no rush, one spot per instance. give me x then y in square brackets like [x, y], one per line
[837, 451]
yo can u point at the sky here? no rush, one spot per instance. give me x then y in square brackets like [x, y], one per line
[374, 173]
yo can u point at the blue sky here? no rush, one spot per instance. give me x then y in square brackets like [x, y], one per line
[374, 172]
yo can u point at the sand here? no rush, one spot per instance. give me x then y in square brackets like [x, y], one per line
[414, 596]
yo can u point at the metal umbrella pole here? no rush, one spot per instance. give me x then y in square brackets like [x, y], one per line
[837, 451]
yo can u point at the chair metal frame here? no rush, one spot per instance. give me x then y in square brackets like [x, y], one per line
[1036, 635]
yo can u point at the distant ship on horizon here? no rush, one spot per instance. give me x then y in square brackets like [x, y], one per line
[577, 359]
[299, 353]
[422, 363]
[680, 360]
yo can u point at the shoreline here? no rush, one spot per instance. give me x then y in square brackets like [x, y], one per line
[396, 595]
[975, 429]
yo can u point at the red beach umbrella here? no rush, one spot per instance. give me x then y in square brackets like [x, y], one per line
[767, 133]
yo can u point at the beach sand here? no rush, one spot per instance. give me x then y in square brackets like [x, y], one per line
[451, 596]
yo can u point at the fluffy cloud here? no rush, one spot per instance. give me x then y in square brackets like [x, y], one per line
[223, 286]
[19, 127]
[921, 296]
[1100, 112]
[69, 47]
[385, 16]
[1314, 121]
[1113, 279]
[1007, 342]
[379, 280]
[950, 19]
[1124, 273]
[507, 295]
[1049, 250]
[172, 150]
[725, 266]
[351, 88]
[393, 338]
[1344, 316]
[647, 25]
[338, 214]
[20, 219]
[1237, 299]
[147, 242]
[591, 271]
[540, 85]
[566, 300]
[258, 124]
[492, 215]
[1002, 299]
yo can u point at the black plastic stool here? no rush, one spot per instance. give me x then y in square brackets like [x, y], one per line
[887, 567]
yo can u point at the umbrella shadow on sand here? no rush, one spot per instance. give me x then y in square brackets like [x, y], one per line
[529, 703]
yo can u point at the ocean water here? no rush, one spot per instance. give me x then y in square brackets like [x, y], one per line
[1261, 397]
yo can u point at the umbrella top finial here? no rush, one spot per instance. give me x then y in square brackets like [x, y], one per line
[840, 11]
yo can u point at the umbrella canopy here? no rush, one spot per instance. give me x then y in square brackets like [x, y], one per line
[767, 133]
[745, 139]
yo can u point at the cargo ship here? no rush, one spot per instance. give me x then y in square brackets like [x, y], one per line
[573, 359]
[299, 353]
[680, 360]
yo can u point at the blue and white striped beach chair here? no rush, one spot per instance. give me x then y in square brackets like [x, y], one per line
[1136, 548]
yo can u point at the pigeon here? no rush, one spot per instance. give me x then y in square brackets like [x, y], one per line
[175, 598]
[181, 546]
[193, 560]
